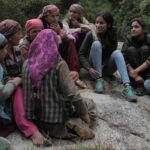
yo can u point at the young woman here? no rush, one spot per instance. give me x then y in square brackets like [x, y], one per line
[77, 25]
[98, 55]
[48, 87]
[136, 50]
[12, 30]
[51, 19]
[32, 27]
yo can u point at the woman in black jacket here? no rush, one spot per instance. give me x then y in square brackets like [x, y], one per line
[98, 55]
[136, 50]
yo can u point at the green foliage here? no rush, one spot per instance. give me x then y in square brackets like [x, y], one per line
[122, 10]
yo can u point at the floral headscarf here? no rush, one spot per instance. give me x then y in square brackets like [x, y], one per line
[49, 9]
[78, 8]
[9, 27]
[43, 55]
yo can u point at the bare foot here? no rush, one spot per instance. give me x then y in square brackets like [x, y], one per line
[38, 138]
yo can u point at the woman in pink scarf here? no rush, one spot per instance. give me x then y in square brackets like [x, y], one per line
[48, 87]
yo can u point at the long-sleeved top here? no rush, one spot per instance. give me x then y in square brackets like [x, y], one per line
[131, 41]
[109, 44]
[83, 23]
[57, 86]
[6, 90]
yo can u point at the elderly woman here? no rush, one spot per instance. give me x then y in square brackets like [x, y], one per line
[136, 50]
[77, 24]
[51, 19]
[48, 88]
[32, 27]
[12, 63]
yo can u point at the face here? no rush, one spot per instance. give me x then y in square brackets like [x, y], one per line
[52, 18]
[33, 32]
[3, 53]
[101, 25]
[73, 14]
[14, 39]
[136, 29]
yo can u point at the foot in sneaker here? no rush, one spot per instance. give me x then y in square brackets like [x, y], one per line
[99, 88]
[130, 94]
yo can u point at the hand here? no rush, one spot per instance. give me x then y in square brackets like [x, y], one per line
[74, 75]
[86, 119]
[84, 29]
[17, 80]
[63, 34]
[75, 23]
[55, 27]
[94, 74]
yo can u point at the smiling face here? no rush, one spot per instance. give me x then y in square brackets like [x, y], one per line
[101, 25]
[136, 29]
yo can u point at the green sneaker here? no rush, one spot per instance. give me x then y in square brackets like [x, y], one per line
[130, 94]
[99, 88]
[4, 144]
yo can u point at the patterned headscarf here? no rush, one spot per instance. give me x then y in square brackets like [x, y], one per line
[78, 8]
[43, 55]
[49, 9]
[30, 24]
[9, 27]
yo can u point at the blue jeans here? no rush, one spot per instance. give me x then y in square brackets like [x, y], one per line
[115, 62]
[147, 85]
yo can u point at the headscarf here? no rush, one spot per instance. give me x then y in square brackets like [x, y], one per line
[30, 24]
[78, 8]
[43, 55]
[9, 27]
[49, 9]
[2, 39]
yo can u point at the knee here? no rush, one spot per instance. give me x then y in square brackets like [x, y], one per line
[96, 45]
[131, 50]
[147, 85]
[145, 49]
[116, 54]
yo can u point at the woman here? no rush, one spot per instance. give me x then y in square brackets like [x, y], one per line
[77, 25]
[136, 50]
[12, 63]
[32, 27]
[99, 49]
[48, 89]
[51, 19]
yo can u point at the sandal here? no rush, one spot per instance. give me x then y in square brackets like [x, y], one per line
[81, 84]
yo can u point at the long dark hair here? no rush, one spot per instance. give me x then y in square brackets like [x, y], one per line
[107, 17]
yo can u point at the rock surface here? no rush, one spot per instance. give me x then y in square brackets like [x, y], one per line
[120, 125]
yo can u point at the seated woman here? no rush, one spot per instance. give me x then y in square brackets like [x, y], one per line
[77, 24]
[50, 17]
[12, 67]
[48, 88]
[136, 50]
[32, 28]
[99, 48]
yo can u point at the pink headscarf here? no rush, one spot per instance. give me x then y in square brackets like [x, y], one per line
[49, 9]
[30, 24]
[43, 55]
